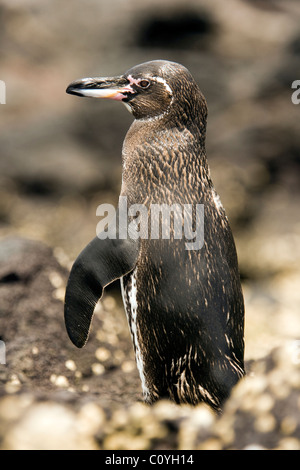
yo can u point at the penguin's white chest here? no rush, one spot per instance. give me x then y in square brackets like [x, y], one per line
[129, 295]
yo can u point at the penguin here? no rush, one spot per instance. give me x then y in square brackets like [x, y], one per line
[184, 304]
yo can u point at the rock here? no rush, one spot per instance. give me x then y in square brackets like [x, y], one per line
[47, 426]
[264, 409]
[39, 355]
[261, 413]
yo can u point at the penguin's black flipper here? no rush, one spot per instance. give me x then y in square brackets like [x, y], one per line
[99, 264]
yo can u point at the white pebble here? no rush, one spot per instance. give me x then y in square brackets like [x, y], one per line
[70, 364]
[98, 369]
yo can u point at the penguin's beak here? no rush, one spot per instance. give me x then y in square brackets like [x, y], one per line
[114, 88]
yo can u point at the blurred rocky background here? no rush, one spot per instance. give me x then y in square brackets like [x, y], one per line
[60, 159]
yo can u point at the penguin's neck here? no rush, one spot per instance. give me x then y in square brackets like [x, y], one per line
[163, 160]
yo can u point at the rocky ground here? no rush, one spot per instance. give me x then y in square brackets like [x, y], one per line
[60, 158]
[54, 396]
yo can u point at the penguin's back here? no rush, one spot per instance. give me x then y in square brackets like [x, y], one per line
[185, 312]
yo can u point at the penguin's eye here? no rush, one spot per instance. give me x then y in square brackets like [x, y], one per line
[144, 83]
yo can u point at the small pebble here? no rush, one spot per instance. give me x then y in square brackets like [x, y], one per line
[55, 279]
[70, 364]
[128, 366]
[98, 369]
[59, 380]
[102, 354]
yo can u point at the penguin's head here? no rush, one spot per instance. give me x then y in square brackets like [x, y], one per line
[149, 90]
